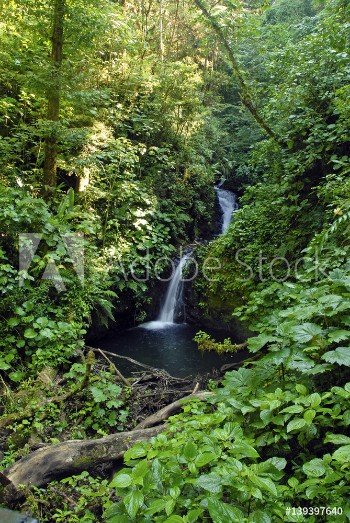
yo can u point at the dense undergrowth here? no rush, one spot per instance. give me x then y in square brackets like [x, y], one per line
[144, 133]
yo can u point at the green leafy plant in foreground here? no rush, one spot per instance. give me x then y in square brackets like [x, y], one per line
[245, 455]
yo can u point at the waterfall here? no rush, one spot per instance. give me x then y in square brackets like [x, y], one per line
[228, 204]
[174, 294]
[172, 300]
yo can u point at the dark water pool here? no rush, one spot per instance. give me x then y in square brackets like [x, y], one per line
[167, 346]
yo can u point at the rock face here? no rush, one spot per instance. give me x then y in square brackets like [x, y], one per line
[126, 315]
[217, 316]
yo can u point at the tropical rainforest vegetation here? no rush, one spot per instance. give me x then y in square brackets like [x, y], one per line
[116, 121]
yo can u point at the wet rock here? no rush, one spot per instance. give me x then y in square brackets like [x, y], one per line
[215, 316]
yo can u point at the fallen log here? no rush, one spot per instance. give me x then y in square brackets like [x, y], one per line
[74, 456]
[70, 457]
[169, 410]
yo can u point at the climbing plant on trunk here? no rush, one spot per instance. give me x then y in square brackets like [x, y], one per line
[53, 94]
[245, 93]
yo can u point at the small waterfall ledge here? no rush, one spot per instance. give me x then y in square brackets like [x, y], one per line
[228, 204]
[172, 301]
[174, 294]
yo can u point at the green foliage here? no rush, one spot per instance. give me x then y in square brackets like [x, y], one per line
[100, 408]
[233, 454]
[73, 500]
[272, 434]
[42, 324]
[207, 343]
[104, 408]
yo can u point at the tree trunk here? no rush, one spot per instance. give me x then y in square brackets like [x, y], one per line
[72, 457]
[65, 459]
[161, 36]
[53, 96]
[244, 89]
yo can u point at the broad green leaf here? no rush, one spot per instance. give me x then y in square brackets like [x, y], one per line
[309, 416]
[256, 343]
[133, 502]
[13, 322]
[337, 439]
[139, 471]
[296, 424]
[258, 516]
[338, 335]
[306, 332]
[264, 483]
[137, 451]
[121, 481]
[223, 513]
[30, 333]
[169, 506]
[279, 463]
[245, 450]
[175, 492]
[43, 321]
[98, 394]
[174, 519]
[114, 510]
[313, 491]
[293, 409]
[158, 505]
[16, 376]
[293, 482]
[212, 483]
[190, 451]
[4, 365]
[346, 417]
[342, 454]
[301, 389]
[314, 468]
[315, 400]
[256, 493]
[341, 356]
[332, 301]
[119, 519]
[194, 515]
[204, 459]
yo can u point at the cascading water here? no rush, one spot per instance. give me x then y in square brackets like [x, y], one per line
[228, 204]
[174, 294]
[172, 300]
[173, 297]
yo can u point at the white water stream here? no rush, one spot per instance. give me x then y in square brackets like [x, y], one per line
[228, 204]
[173, 296]
[172, 300]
